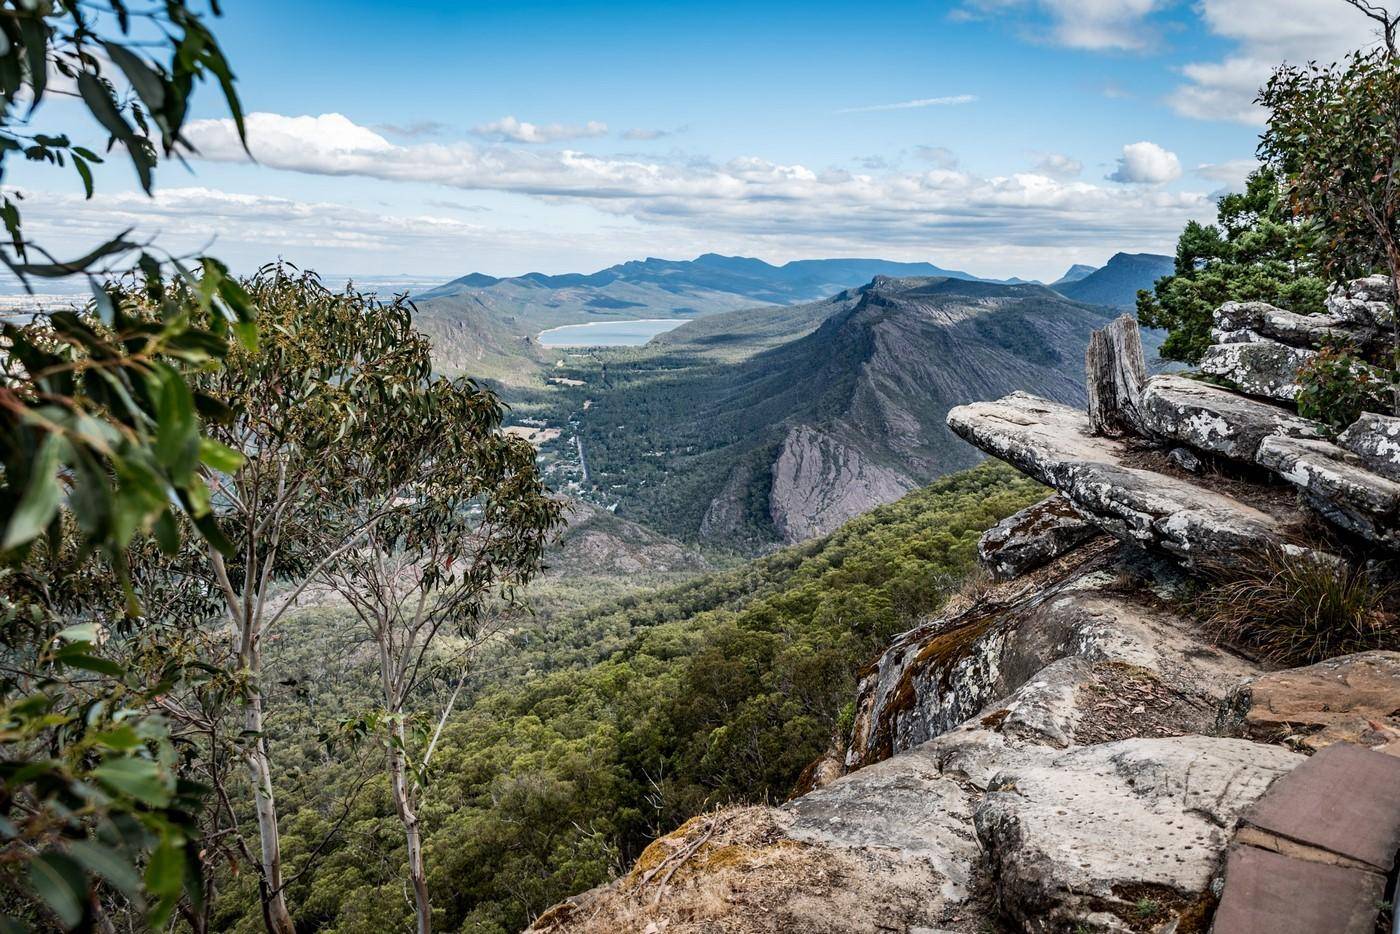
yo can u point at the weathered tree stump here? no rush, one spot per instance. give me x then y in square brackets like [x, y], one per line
[1115, 374]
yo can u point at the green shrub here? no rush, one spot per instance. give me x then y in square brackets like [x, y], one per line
[1298, 609]
[1336, 387]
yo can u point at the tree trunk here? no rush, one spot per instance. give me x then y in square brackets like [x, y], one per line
[1115, 373]
[276, 917]
[408, 815]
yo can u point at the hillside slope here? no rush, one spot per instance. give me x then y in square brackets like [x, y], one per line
[790, 442]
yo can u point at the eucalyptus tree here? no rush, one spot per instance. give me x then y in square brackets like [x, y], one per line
[1333, 135]
[100, 443]
[456, 518]
[320, 392]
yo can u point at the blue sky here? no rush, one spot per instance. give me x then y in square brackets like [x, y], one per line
[1006, 137]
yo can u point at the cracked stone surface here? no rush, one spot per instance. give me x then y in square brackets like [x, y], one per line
[1216, 420]
[1261, 368]
[1365, 302]
[1248, 321]
[1376, 440]
[1337, 484]
[945, 671]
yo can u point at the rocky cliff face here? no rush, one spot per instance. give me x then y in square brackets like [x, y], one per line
[1062, 750]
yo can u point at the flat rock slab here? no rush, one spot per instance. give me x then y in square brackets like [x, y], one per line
[1353, 699]
[1270, 892]
[904, 804]
[1338, 485]
[1345, 800]
[1216, 420]
[1053, 443]
[1089, 833]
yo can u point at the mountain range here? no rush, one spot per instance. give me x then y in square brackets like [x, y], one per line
[777, 425]
[691, 286]
[486, 326]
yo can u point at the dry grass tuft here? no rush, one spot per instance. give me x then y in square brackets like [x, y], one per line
[1298, 609]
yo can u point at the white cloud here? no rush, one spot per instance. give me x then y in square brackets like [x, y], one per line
[1266, 34]
[1058, 165]
[746, 199]
[413, 129]
[1146, 163]
[510, 130]
[951, 101]
[1097, 25]
[253, 229]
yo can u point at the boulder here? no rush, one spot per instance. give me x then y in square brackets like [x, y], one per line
[1352, 699]
[1376, 440]
[1337, 485]
[1120, 834]
[1367, 302]
[1237, 322]
[1264, 368]
[762, 870]
[1210, 418]
[1054, 444]
[1033, 537]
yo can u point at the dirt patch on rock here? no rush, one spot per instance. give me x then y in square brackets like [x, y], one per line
[1124, 701]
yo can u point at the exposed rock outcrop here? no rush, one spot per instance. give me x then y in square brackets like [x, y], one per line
[1054, 444]
[941, 673]
[1243, 322]
[1352, 699]
[1144, 819]
[1367, 303]
[1261, 367]
[819, 482]
[1337, 484]
[1215, 420]
[1061, 750]
[1260, 348]
[1032, 537]
[1376, 440]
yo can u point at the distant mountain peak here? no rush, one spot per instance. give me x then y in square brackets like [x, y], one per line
[1075, 273]
[1118, 282]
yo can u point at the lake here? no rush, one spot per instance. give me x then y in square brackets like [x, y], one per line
[609, 333]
